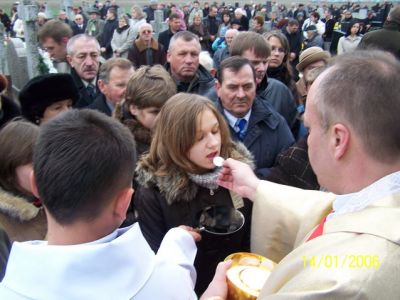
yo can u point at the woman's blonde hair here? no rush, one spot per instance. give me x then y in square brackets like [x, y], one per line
[175, 134]
[124, 17]
[139, 12]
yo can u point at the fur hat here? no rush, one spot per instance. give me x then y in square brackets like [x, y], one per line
[42, 91]
[311, 55]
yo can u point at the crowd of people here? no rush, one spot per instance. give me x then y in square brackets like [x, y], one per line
[107, 165]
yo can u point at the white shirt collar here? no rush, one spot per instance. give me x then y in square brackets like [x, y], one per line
[232, 119]
[348, 203]
[86, 83]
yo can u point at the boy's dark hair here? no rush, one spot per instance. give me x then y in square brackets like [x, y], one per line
[293, 22]
[250, 41]
[174, 16]
[81, 160]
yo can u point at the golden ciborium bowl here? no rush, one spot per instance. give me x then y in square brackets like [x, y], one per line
[247, 275]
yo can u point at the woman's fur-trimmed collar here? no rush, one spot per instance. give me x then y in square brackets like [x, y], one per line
[140, 133]
[169, 186]
[17, 207]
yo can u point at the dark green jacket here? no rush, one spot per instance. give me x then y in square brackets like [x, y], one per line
[387, 38]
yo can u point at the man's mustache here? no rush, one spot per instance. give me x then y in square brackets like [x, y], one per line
[89, 69]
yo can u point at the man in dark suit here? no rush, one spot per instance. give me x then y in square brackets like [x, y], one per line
[295, 39]
[253, 46]
[79, 25]
[83, 56]
[261, 129]
[212, 22]
[113, 77]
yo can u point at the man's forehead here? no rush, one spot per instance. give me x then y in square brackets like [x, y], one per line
[231, 76]
[145, 27]
[83, 46]
[121, 74]
[181, 44]
[87, 51]
[49, 40]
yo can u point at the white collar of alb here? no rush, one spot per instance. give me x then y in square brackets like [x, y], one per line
[381, 188]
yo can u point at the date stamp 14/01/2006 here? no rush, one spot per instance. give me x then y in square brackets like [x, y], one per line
[350, 261]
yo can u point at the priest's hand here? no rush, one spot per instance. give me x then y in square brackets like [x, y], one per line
[238, 177]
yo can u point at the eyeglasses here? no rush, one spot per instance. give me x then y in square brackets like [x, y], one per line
[146, 31]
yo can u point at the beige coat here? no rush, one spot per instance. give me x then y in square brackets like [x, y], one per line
[357, 257]
[21, 220]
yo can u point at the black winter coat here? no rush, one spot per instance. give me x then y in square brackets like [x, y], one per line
[100, 104]
[295, 41]
[162, 205]
[201, 84]
[8, 110]
[164, 38]
[266, 136]
[106, 37]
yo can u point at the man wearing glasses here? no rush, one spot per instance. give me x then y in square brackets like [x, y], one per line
[146, 50]
[78, 26]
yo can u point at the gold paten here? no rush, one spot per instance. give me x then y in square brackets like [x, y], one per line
[250, 263]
